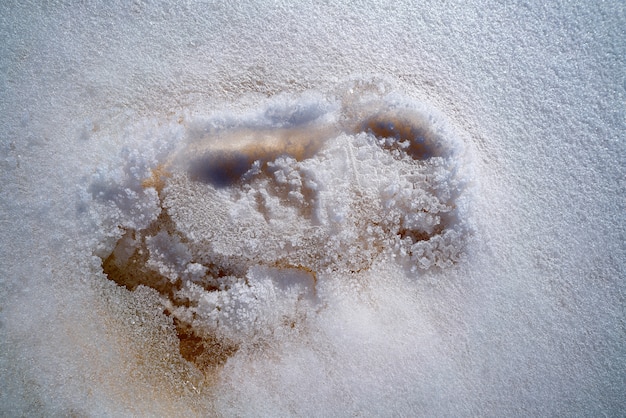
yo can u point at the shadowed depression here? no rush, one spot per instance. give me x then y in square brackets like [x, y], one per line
[248, 208]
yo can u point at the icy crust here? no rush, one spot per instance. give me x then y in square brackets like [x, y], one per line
[336, 212]
[248, 216]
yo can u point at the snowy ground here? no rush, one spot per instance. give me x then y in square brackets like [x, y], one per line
[480, 274]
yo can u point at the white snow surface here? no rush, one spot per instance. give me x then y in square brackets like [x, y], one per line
[514, 307]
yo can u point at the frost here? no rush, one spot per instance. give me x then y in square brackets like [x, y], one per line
[254, 215]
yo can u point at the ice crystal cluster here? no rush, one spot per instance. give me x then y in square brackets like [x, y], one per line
[252, 212]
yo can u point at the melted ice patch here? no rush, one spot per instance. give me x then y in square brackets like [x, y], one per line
[256, 211]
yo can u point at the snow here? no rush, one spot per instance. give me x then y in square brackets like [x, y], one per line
[212, 209]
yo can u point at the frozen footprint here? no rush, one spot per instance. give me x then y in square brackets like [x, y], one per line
[255, 212]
